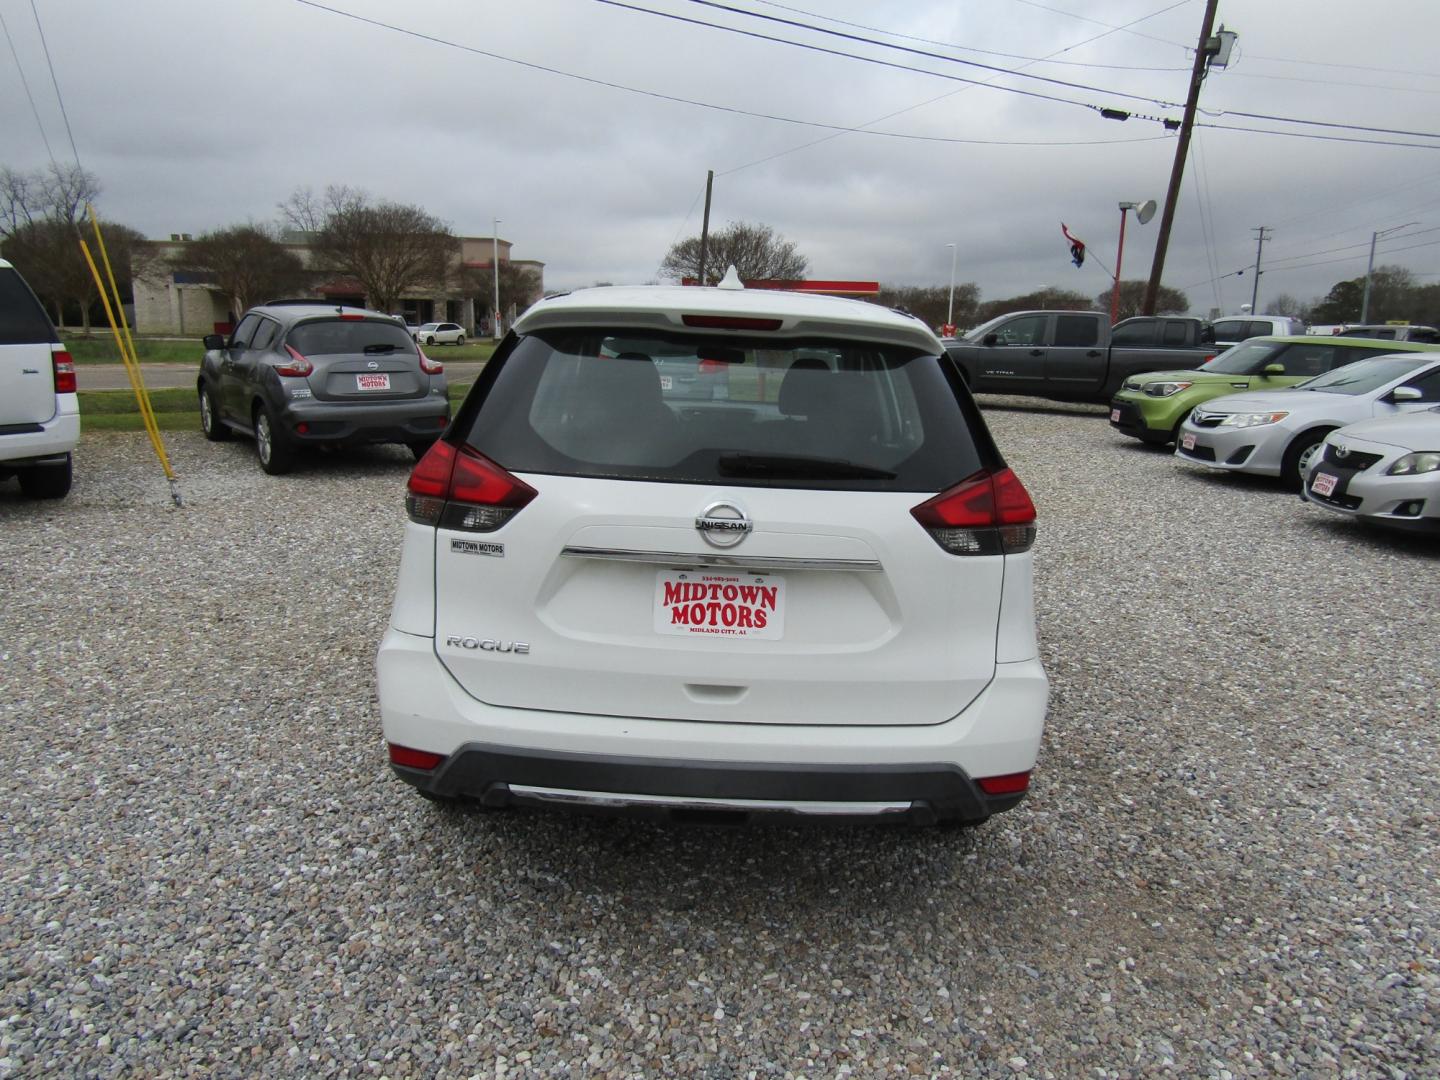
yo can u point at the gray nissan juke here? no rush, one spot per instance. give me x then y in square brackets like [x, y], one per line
[296, 374]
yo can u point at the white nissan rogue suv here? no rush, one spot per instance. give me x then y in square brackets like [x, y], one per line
[39, 410]
[805, 590]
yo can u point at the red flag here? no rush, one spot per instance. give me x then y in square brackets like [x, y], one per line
[1077, 247]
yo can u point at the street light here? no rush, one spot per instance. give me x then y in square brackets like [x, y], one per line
[950, 311]
[495, 276]
[1143, 213]
[1370, 267]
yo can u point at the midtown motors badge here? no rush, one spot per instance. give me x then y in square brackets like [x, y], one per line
[703, 603]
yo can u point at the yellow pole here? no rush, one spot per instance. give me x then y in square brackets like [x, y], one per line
[123, 341]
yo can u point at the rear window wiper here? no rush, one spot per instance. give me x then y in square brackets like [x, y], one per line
[794, 467]
[386, 346]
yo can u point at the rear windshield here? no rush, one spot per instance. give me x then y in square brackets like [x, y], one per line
[22, 320]
[693, 409]
[329, 336]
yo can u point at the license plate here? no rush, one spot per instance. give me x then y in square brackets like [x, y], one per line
[706, 604]
[1114, 416]
[372, 382]
[1324, 483]
[666, 383]
[1187, 441]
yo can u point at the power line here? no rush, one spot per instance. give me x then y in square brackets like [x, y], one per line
[1320, 138]
[989, 52]
[930, 101]
[880, 44]
[26, 83]
[56, 83]
[971, 63]
[732, 110]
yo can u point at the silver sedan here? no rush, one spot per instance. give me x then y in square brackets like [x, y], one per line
[1278, 432]
[1386, 472]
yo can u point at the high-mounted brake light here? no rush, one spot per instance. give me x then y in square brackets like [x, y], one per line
[987, 513]
[428, 366]
[352, 318]
[64, 371]
[299, 365]
[463, 489]
[730, 322]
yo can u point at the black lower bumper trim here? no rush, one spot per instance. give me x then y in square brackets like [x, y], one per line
[935, 793]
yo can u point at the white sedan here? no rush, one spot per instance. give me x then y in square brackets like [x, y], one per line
[1386, 472]
[1277, 432]
[440, 333]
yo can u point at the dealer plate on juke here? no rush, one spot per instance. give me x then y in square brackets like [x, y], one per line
[372, 382]
[702, 603]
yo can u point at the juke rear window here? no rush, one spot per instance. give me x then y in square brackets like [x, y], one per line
[652, 405]
[329, 336]
[22, 320]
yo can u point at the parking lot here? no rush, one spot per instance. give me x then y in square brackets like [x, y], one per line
[1226, 866]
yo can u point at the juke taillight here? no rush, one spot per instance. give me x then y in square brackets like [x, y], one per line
[299, 365]
[987, 513]
[428, 366]
[463, 489]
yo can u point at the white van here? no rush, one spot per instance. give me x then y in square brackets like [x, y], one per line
[39, 409]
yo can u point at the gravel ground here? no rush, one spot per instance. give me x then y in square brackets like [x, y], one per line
[1226, 868]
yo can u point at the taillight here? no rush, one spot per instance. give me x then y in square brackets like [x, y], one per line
[428, 366]
[463, 489]
[1010, 784]
[414, 759]
[711, 367]
[64, 371]
[987, 513]
[299, 364]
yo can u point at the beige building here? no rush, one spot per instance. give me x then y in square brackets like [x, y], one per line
[183, 303]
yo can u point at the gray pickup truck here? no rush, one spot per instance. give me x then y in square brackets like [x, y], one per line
[1075, 355]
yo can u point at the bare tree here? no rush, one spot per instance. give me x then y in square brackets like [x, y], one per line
[67, 191]
[247, 263]
[21, 199]
[307, 212]
[756, 252]
[931, 303]
[388, 247]
[519, 287]
[1168, 301]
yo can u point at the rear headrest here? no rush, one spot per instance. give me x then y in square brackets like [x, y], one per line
[806, 389]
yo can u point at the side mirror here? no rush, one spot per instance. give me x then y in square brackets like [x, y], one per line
[1273, 369]
[1406, 393]
[991, 339]
[213, 341]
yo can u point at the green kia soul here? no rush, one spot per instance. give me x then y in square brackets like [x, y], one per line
[1152, 406]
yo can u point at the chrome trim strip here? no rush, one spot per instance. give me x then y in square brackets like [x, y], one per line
[733, 562]
[617, 800]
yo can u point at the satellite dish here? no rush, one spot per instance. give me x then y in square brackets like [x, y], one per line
[1145, 211]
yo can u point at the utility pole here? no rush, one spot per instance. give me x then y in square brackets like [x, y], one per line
[1182, 149]
[1255, 292]
[495, 273]
[1370, 266]
[705, 223]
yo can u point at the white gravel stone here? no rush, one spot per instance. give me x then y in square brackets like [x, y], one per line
[1226, 867]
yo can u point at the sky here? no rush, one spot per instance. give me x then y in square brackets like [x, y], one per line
[586, 128]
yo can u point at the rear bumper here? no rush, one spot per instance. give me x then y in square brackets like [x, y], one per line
[32, 444]
[502, 756]
[415, 420]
